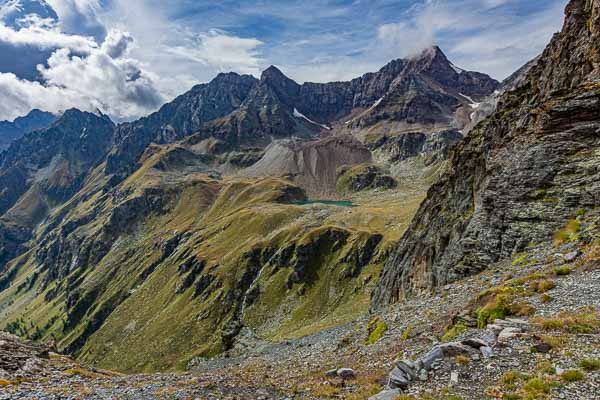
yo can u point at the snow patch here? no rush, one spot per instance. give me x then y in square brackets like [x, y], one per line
[456, 69]
[474, 105]
[298, 114]
[378, 102]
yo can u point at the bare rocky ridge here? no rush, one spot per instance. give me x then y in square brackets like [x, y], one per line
[518, 176]
[20, 360]
[234, 112]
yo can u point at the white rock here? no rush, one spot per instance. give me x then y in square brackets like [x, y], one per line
[454, 377]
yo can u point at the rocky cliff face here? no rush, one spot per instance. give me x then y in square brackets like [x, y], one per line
[427, 91]
[177, 119]
[45, 168]
[519, 176]
[54, 159]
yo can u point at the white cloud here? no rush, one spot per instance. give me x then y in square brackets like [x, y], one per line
[20, 96]
[105, 78]
[181, 54]
[483, 35]
[222, 51]
[80, 17]
[40, 35]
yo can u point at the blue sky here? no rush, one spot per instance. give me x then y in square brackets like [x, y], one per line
[145, 52]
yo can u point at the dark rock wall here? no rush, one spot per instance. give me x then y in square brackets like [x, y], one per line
[518, 176]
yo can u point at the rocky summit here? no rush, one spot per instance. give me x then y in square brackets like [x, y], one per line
[419, 232]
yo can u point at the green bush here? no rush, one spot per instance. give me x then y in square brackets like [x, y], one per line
[562, 271]
[453, 332]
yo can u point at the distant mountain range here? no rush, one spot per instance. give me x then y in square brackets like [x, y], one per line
[36, 119]
[234, 112]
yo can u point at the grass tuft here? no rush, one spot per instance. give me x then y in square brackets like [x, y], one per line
[453, 332]
[573, 375]
[590, 364]
[376, 329]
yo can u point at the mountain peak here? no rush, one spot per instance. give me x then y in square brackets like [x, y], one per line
[273, 73]
[283, 85]
[433, 54]
[75, 114]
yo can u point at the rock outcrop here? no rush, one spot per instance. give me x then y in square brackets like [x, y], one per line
[432, 146]
[20, 360]
[516, 178]
[234, 112]
[363, 177]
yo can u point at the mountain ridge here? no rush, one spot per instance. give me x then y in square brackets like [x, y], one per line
[13, 130]
[507, 184]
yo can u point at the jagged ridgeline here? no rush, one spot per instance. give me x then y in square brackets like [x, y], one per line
[519, 176]
[143, 245]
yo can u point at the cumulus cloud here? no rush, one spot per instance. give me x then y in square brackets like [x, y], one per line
[104, 78]
[80, 17]
[45, 67]
[29, 33]
[19, 96]
[44, 37]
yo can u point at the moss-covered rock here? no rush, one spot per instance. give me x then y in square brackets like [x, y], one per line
[363, 177]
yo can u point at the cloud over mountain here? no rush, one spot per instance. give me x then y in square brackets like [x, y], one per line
[58, 70]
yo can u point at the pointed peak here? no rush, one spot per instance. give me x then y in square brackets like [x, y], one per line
[275, 79]
[272, 73]
[433, 53]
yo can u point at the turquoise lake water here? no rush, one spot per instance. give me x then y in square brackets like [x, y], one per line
[339, 203]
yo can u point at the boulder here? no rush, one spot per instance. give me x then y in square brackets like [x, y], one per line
[507, 334]
[486, 351]
[391, 394]
[409, 368]
[398, 379]
[475, 343]
[428, 359]
[346, 373]
[569, 257]
[454, 349]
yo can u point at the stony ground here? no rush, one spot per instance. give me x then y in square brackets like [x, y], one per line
[553, 292]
